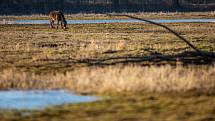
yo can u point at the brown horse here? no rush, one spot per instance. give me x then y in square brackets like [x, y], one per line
[59, 17]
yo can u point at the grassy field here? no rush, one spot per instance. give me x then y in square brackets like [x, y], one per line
[148, 73]
[147, 15]
[39, 49]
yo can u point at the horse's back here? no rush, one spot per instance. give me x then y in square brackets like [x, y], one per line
[55, 15]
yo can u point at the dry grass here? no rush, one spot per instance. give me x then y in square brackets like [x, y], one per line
[147, 15]
[119, 79]
[45, 50]
[127, 58]
[72, 59]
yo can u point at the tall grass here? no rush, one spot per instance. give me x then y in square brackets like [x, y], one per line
[117, 79]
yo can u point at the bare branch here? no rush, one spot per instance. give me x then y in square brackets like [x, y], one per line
[161, 25]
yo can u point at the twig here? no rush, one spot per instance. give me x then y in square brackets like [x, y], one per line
[161, 25]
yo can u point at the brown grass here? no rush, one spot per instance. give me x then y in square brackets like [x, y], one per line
[147, 15]
[125, 58]
[101, 58]
[119, 79]
[45, 50]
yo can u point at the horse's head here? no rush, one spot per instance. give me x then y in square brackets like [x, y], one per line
[64, 24]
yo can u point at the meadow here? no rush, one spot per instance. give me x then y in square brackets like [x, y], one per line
[146, 15]
[145, 70]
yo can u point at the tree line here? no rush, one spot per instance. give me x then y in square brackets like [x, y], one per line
[101, 6]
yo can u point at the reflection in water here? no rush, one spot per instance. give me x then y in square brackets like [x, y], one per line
[38, 99]
[112, 21]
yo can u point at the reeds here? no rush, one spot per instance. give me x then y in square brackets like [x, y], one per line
[117, 79]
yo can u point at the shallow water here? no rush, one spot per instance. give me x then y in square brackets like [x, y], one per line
[38, 99]
[112, 21]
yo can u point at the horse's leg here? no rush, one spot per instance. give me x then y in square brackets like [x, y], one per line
[51, 24]
[61, 23]
[57, 23]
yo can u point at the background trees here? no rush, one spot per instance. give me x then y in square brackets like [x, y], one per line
[74, 6]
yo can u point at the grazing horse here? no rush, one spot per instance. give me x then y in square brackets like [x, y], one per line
[59, 17]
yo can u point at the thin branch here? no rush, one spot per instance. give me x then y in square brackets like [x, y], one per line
[161, 25]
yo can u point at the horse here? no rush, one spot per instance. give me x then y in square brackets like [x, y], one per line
[59, 17]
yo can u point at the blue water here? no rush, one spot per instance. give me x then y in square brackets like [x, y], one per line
[114, 21]
[38, 99]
